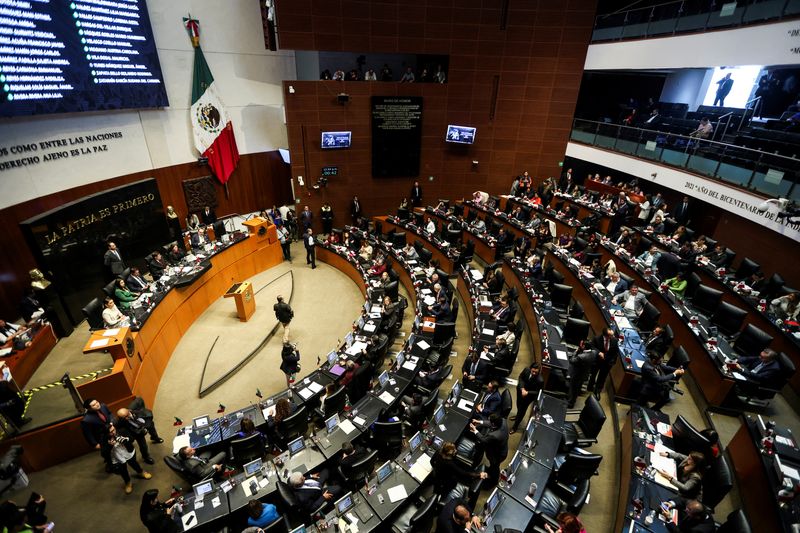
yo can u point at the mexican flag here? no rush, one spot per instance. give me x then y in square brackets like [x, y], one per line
[213, 131]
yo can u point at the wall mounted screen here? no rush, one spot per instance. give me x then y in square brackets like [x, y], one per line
[460, 134]
[59, 57]
[336, 139]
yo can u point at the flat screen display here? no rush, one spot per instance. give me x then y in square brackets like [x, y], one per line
[336, 139]
[60, 57]
[460, 134]
[297, 445]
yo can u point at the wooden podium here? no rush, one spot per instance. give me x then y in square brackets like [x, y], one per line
[245, 299]
[261, 229]
[117, 341]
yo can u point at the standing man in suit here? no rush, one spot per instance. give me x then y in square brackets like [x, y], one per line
[416, 195]
[580, 363]
[620, 208]
[763, 369]
[306, 219]
[495, 442]
[656, 381]
[681, 213]
[284, 314]
[113, 261]
[607, 348]
[208, 216]
[94, 425]
[474, 372]
[201, 466]
[310, 243]
[355, 210]
[326, 215]
[529, 384]
[725, 86]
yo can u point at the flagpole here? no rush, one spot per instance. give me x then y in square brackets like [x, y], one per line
[227, 196]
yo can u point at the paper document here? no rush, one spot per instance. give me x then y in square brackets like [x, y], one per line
[788, 471]
[179, 442]
[662, 463]
[189, 520]
[421, 468]
[306, 393]
[386, 398]
[246, 486]
[487, 331]
[346, 426]
[476, 274]
[466, 405]
[98, 343]
[664, 429]
[397, 493]
[359, 420]
[623, 322]
[429, 300]
[263, 482]
[783, 440]
[315, 387]
[739, 376]
[410, 365]
[639, 363]
[226, 486]
[268, 412]
[561, 354]
[110, 332]
[426, 292]
[424, 345]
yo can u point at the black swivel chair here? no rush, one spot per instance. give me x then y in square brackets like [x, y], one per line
[280, 524]
[729, 257]
[246, 449]
[728, 318]
[772, 286]
[757, 396]
[706, 300]
[332, 405]
[294, 425]
[686, 438]
[571, 481]
[735, 523]
[751, 341]
[391, 290]
[575, 331]
[93, 311]
[292, 509]
[560, 296]
[576, 310]
[648, 319]
[679, 358]
[506, 403]
[176, 465]
[387, 438]
[355, 474]
[692, 282]
[747, 268]
[583, 432]
[110, 287]
[417, 517]
[717, 482]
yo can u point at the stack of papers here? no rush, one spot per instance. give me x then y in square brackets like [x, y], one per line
[315, 387]
[386, 398]
[561, 354]
[346, 426]
[306, 393]
[424, 345]
[397, 493]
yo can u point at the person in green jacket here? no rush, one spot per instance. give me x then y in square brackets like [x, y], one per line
[123, 295]
[677, 284]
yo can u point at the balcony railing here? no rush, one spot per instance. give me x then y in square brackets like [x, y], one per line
[769, 174]
[681, 16]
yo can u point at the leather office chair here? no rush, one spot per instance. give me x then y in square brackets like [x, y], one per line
[93, 311]
[571, 501]
[387, 438]
[575, 331]
[279, 525]
[246, 449]
[291, 509]
[758, 396]
[729, 256]
[110, 287]
[728, 318]
[584, 431]
[443, 375]
[576, 310]
[125, 274]
[648, 319]
[175, 464]
[627, 278]
[772, 286]
[579, 244]
[706, 300]
[359, 385]
[751, 341]
[560, 296]
[332, 405]
[294, 425]
[686, 438]
[735, 523]
[577, 467]
[506, 403]
[717, 482]
[417, 517]
[680, 358]
[747, 268]
[355, 475]
[710, 243]
[692, 282]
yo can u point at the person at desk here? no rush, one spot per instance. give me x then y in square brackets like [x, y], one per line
[785, 307]
[763, 369]
[124, 296]
[677, 284]
[410, 252]
[112, 316]
[495, 443]
[693, 517]
[615, 284]
[521, 247]
[378, 268]
[718, 257]
[567, 523]
[503, 356]
[607, 347]
[474, 371]
[175, 255]
[157, 265]
[441, 309]
[451, 479]
[203, 465]
[657, 225]
[112, 259]
[529, 383]
[502, 312]
[657, 381]
[688, 477]
[261, 514]
[365, 252]
[622, 238]
[350, 370]
[491, 403]
[136, 283]
[13, 336]
[658, 340]
[456, 517]
[312, 492]
[193, 223]
[632, 301]
[650, 257]
[208, 215]
[430, 380]
[247, 428]
[478, 225]
[157, 515]
[351, 454]
[534, 262]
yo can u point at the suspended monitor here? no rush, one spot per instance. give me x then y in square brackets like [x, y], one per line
[336, 139]
[460, 134]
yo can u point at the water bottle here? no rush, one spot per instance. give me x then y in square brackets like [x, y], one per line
[532, 489]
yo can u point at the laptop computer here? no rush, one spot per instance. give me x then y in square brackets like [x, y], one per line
[494, 501]
[384, 471]
[203, 488]
[383, 378]
[347, 503]
[201, 421]
[415, 441]
[297, 446]
[438, 415]
[253, 467]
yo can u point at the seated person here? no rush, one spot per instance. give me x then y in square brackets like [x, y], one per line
[124, 296]
[378, 268]
[14, 336]
[567, 522]
[112, 316]
[718, 256]
[479, 225]
[389, 308]
[312, 492]
[456, 517]
[677, 284]
[480, 197]
[351, 454]
[350, 370]
[441, 309]
[632, 301]
[202, 465]
[521, 247]
[474, 371]
[657, 225]
[385, 280]
[410, 252]
[430, 380]
[509, 338]
[534, 265]
[451, 479]
[430, 227]
[247, 428]
[502, 312]
[615, 284]
[175, 255]
[157, 265]
[504, 241]
[785, 307]
[365, 253]
[688, 478]
[503, 357]
[491, 403]
[693, 517]
[650, 257]
[764, 369]
[658, 340]
[260, 515]
[135, 281]
[411, 407]
[704, 129]
[622, 238]
[494, 281]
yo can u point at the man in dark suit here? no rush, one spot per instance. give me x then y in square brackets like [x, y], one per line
[615, 284]
[763, 369]
[203, 465]
[416, 195]
[656, 381]
[622, 238]
[681, 213]
[430, 380]
[351, 454]
[502, 313]
[135, 282]
[136, 423]
[580, 364]
[306, 219]
[503, 356]
[456, 517]
[310, 243]
[492, 401]
[113, 261]
[529, 384]
[620, 208]
[607, 348]
[495, 443]
[355, 209]
[474, 371]
[658, 341]
[208, 216]
[312, 492]
[94, 426]
[693, 517]
[157, 265]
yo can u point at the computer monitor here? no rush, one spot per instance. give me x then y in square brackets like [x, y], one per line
[460, 134]
[203, 488]
[200, 421]
[332, 357]
[438, 415]
[530, 429]
[438, 442]
[419, 219]
[344, 503]
[493, 501]
[416, 441]
[403, 213]
[335, 139]
[297, 445]
[348, 339]
[383, 378]
[384, 471]
[361, 322]
[331, 423]
[400, 359]
[515, 462]
[411, 339]
[456, 390]
[252, 468]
